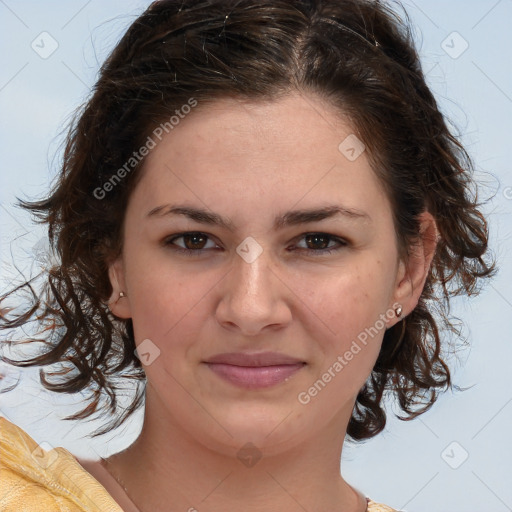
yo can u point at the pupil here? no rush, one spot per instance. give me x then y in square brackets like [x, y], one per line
[194, 239]
[315, 239]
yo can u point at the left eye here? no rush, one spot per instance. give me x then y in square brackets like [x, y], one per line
[194, 243]
[321, 241]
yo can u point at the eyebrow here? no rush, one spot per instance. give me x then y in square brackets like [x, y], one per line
[291, 218]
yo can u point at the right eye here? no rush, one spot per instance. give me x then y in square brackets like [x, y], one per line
[193, 243]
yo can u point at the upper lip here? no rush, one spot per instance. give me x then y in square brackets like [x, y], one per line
[254, 359]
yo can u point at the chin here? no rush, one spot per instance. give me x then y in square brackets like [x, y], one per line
[271, 432]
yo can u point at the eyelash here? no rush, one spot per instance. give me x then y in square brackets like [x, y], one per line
[168, 242]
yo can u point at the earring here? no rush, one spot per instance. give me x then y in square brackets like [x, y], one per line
[121, 295]
[398, 311]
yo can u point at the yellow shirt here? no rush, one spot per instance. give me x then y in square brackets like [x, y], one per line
[33, 479]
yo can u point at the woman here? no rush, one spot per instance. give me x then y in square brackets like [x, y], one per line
[258, 211]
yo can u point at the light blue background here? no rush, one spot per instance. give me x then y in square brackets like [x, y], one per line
[404, 466]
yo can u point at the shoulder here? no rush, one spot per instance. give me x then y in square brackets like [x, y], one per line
[378, 507]
[32, 478]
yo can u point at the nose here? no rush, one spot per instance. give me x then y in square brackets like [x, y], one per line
[254, 297]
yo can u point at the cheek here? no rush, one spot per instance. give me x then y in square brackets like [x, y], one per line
[346, 302]
[163, 299]
[346, 318]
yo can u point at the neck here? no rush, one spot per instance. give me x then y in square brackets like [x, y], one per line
[167, 466]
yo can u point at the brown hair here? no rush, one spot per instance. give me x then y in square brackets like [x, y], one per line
[357, 55]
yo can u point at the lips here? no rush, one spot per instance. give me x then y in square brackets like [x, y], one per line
[253, 371]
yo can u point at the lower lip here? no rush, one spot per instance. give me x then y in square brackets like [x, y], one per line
[255, 377]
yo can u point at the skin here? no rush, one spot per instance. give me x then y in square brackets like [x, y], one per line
[250, 162]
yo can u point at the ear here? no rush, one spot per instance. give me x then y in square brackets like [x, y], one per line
[413, 273]
[120, 306]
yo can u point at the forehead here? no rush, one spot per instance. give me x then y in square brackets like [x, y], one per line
[273, 127]
[262, 154]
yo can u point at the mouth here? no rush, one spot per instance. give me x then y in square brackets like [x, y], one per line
[254, 371]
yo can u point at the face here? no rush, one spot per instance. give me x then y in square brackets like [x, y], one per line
[246, 266]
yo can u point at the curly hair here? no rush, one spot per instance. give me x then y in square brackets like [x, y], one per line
[357, 55]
